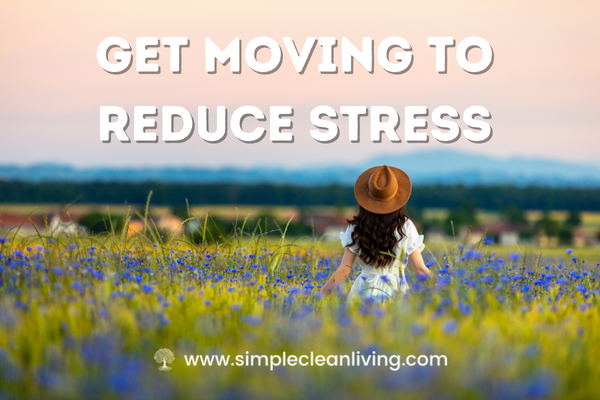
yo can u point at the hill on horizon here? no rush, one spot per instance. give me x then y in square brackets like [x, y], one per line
[426, 167]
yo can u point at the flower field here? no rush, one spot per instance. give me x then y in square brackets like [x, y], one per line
[82, 317]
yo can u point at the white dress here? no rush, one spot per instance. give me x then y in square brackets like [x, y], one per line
[383, 283]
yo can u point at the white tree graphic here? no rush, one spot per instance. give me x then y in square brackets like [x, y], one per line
[164, 356]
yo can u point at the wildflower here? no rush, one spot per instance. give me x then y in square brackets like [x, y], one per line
[450, 326]
[163, 320]
[421, 278]
[416, 329]
[251, 320]
[72, 246]
[3, 240]
[488, 240]
[147, 288]
[487, 280]
[569, 251]
[464, 308]
[444, 280]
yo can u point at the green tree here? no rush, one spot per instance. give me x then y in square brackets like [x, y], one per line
[549, 226]
[462, 216]
[574, 218]
[96, 222]
[513, 214]
[565, 234]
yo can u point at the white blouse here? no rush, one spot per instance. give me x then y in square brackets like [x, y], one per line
[386, 282]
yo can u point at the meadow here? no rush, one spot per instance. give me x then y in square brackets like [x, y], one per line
[83, 316]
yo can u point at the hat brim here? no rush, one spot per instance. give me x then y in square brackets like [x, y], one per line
[361, 192]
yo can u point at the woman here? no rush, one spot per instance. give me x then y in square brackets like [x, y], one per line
[380, 227]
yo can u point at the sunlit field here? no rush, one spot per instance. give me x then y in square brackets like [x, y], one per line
[83, 317]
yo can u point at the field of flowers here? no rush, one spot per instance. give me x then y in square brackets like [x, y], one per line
[82, 318]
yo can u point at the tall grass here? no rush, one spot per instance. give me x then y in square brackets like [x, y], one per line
[82, 317]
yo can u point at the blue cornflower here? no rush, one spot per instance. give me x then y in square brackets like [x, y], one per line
[450, 326]
[444, 280]
[569, 251]
[416, 329]
[147, 288]
[163, 320]
[251, 320]
[72, 246]
[3, 240]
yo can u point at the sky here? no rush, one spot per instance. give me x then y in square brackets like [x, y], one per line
[543, 89]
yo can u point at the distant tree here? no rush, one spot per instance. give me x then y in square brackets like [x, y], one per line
[527, 233]
[513, 214]
[549, 226]
[574, 218]
[414, 213]
[463, 216]
[565, 234]
[180, 211]
[96, 222]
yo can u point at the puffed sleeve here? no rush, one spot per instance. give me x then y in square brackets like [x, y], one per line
[346, 238]
[414, 241]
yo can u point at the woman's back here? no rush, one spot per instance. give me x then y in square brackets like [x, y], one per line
[381, 282]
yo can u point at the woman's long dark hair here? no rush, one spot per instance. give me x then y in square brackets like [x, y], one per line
[374, 233]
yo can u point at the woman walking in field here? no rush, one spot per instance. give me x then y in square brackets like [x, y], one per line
[381, 226]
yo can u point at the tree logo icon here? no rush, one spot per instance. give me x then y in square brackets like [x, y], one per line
[164, 356]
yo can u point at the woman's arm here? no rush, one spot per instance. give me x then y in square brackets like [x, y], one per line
[418, 265]
[340, 274]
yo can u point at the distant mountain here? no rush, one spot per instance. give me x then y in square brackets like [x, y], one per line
[430, 167]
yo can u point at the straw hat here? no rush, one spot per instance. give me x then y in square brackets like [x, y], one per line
[383, 189]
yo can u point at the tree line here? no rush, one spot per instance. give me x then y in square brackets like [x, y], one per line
[426, 196]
